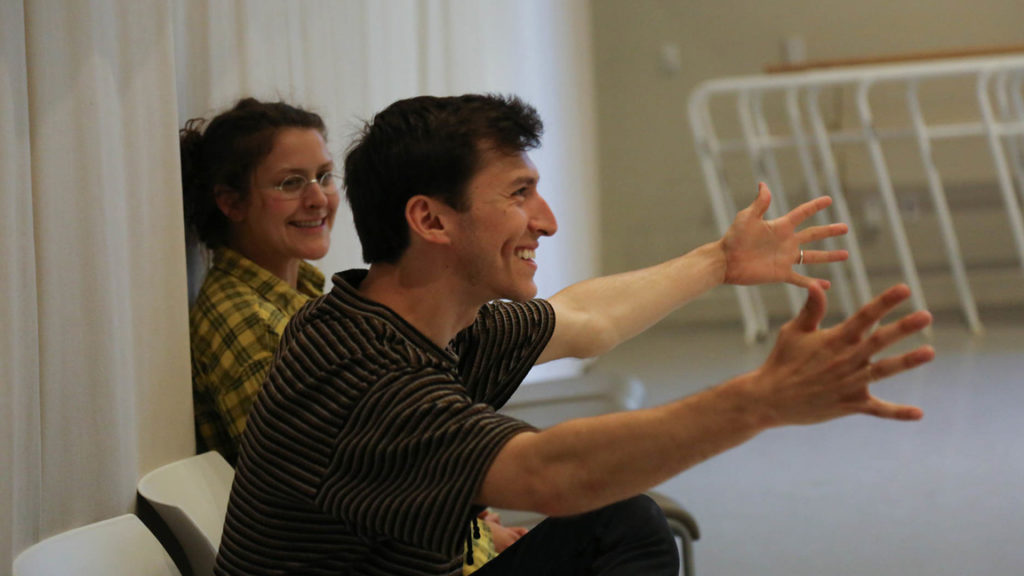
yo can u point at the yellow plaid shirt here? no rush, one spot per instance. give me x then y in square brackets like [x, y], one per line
[483, 550]
[235, 324]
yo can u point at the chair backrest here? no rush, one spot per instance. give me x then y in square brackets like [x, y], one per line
[121, 546]
[191, 496]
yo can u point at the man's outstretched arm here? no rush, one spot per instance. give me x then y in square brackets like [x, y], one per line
[595, 315]
[811, 376]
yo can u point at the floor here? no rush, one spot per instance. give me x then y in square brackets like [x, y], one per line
[858, 496]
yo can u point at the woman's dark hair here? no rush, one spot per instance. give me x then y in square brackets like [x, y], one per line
[225, 153]
[426, 145]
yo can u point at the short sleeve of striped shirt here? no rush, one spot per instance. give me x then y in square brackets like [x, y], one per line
[501, 347]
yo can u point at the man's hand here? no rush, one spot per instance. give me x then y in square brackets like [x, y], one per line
[815, 375]
[759, 251]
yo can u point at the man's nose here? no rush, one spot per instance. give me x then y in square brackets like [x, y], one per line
[543, 221]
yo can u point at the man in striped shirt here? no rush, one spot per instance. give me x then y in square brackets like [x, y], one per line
[374, 441]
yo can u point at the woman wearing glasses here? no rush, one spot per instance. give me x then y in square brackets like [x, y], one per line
[261, 195]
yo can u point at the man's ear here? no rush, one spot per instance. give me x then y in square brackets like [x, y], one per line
[426, 218]
[230, 203]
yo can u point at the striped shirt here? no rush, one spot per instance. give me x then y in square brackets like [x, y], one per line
[368, 442]
[235, 323]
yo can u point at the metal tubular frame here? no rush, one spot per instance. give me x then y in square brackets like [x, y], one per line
[796, 126]
[1001, 124]
[835, 190]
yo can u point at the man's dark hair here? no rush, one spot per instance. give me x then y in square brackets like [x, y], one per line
[426, 145]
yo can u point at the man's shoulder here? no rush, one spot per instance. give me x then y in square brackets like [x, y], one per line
[499, 313]
[505, 333]
[363, 340]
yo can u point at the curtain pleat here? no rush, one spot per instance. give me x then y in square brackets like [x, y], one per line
[19, 339]
[94, 360]
[114, 390]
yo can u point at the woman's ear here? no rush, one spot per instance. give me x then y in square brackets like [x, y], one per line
[230, 203]
[426, 219]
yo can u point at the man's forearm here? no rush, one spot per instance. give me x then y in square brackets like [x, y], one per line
[586, 463]
[596, 315]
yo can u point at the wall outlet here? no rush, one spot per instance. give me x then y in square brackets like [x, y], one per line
[872, 220]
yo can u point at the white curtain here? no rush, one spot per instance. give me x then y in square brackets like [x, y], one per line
[94, 369]
[95, 355]
[19, 339]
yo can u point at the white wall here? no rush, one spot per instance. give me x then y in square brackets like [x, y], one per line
[653, 197]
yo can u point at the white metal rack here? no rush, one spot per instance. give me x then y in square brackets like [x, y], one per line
[998, 107]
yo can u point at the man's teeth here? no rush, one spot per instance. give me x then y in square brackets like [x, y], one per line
[526, 254]
[309, 223]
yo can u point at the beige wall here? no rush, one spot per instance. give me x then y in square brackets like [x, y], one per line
[653, 196]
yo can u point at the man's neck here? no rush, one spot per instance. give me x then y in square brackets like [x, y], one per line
[430, 302]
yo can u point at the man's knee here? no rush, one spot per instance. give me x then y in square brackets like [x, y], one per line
[640, 509]
[637, 530]
[639, 516]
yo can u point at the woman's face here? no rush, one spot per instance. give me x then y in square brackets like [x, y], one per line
[276, 229]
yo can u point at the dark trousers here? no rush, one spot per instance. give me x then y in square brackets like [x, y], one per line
[628, 538]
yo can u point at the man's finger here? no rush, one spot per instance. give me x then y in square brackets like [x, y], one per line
[895, 364]
[853, 329]
[763, 200]
[816, 233]
[804, 211]
[813, 312]
[891, 333]
[891, 411]
[801, 281]
[825, 256]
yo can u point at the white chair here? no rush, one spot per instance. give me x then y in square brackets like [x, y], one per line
[191, 495]
[121, 546]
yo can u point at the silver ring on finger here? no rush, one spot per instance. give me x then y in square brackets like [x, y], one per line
[801, 259]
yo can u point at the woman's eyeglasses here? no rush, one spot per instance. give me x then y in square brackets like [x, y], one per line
[293, 185]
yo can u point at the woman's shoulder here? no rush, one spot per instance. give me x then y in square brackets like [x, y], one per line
[311, 280]
[225, 303]
[221, 290]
